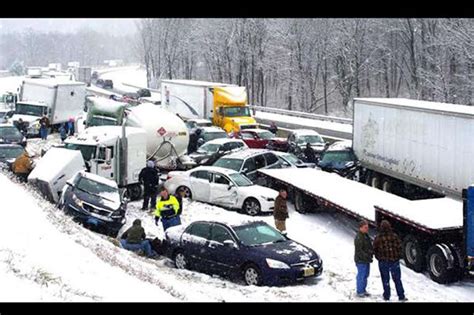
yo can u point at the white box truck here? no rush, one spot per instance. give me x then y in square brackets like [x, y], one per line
[84, 74]
[59, 100]
[406, 144]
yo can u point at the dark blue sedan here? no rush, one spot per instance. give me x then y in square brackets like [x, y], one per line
[255, 251]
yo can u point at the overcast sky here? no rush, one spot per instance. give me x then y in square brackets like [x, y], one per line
[112, 26]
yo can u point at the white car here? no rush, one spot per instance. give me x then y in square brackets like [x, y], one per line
[222, 187]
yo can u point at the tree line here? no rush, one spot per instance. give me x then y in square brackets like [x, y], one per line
[316, 65]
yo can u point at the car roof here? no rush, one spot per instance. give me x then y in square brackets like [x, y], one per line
[212, 129]
[232, 222]
[300, 132]
[340, 146]
[225, 171]
[255, 130]
[224, 140]
[280, 153]
[244, 154]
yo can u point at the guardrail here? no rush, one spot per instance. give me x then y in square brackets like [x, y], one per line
[301, 114]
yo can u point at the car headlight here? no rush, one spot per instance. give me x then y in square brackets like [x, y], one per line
[276, 264]
[77, 201]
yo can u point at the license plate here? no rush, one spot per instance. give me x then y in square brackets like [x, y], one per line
[308, 271]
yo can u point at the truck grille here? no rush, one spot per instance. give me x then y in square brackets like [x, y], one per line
[93, 209]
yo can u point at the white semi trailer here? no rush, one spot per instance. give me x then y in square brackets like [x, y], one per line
[405, 144]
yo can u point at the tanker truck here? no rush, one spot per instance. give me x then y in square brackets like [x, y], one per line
[120, 151]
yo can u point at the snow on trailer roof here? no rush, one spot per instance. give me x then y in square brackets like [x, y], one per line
[99, 179]
[435, 214]
[52, 82]
[424, 105]
[360, 199]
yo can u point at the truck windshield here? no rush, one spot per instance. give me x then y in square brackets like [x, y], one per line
[87, 151]
[236, 111]
[27, 109]
[101, 121]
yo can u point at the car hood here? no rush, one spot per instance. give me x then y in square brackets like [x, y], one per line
[289, 252]
[112, 204]
[27, 118]
[258, 190]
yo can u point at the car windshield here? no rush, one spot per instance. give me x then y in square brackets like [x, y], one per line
[240, 180]
[336, 156]
[233, 164]
[87, 151]
[102, 121]
[208, 136]
[266, 135]
[313, 139]
[258, 233]
[236, 111]
[209, 148]
[9, 131]
[292, 159]
[94, 187]
[26, 109]
[10, 152]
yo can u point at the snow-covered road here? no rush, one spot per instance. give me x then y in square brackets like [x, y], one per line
[45, 256]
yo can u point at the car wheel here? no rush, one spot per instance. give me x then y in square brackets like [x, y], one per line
[187, 191]
[251, 206]
[252, 275]
[180, 260]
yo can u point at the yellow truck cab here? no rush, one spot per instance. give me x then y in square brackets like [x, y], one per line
[224, 104]
[230, 109]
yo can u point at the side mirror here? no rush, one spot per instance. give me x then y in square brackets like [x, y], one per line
[230, 243]
[245, 170]
[230, 186]
[69, 183]
[108, 154]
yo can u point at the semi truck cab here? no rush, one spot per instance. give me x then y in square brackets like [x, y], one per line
[30, 113]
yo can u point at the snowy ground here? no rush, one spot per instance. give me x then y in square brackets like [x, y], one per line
[53, 258]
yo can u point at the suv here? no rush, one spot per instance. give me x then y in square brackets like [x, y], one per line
[297, 140]
[249, 162]
[94, 201]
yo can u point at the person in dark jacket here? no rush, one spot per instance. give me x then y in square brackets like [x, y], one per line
[70, 126]
[149, 177]
[309, 153]
[193, 141]
[135, 239]
[273, 128]
[363, 257]
[388, 251]
[63, 132]
[180, 195]
[44, 124]
[280, 213]
[21, 126]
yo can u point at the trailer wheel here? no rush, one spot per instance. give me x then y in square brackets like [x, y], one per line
[375, 181]
[413, 253]
[300, 204]
[387, 185]
[438, 261]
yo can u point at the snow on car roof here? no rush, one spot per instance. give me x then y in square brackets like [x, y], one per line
[361, 199]
[222, 170]
[245, 153]
[340, 145]
[212, 129]
[417, 104]
[255, 130]
[98, 179]
[224, 140]
[300, 132]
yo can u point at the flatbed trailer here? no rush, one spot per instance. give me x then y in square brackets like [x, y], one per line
[435, 232]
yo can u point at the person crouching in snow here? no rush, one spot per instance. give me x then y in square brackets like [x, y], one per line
[135, 239]
[167, 208]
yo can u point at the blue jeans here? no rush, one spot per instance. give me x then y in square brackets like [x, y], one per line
[363, 271]
[44, 133]
[144, 245]
[391, 267]
[169, 222]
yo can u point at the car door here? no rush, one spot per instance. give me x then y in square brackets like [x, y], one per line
[195, 241]
[199, 181]
[222, 192]
[249, 168]
[223, 258]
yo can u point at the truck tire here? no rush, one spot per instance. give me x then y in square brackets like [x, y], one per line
[387, 185]
[440, 263]
[300, 204]
[134, 191]
[375, 181]
[413, 253]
